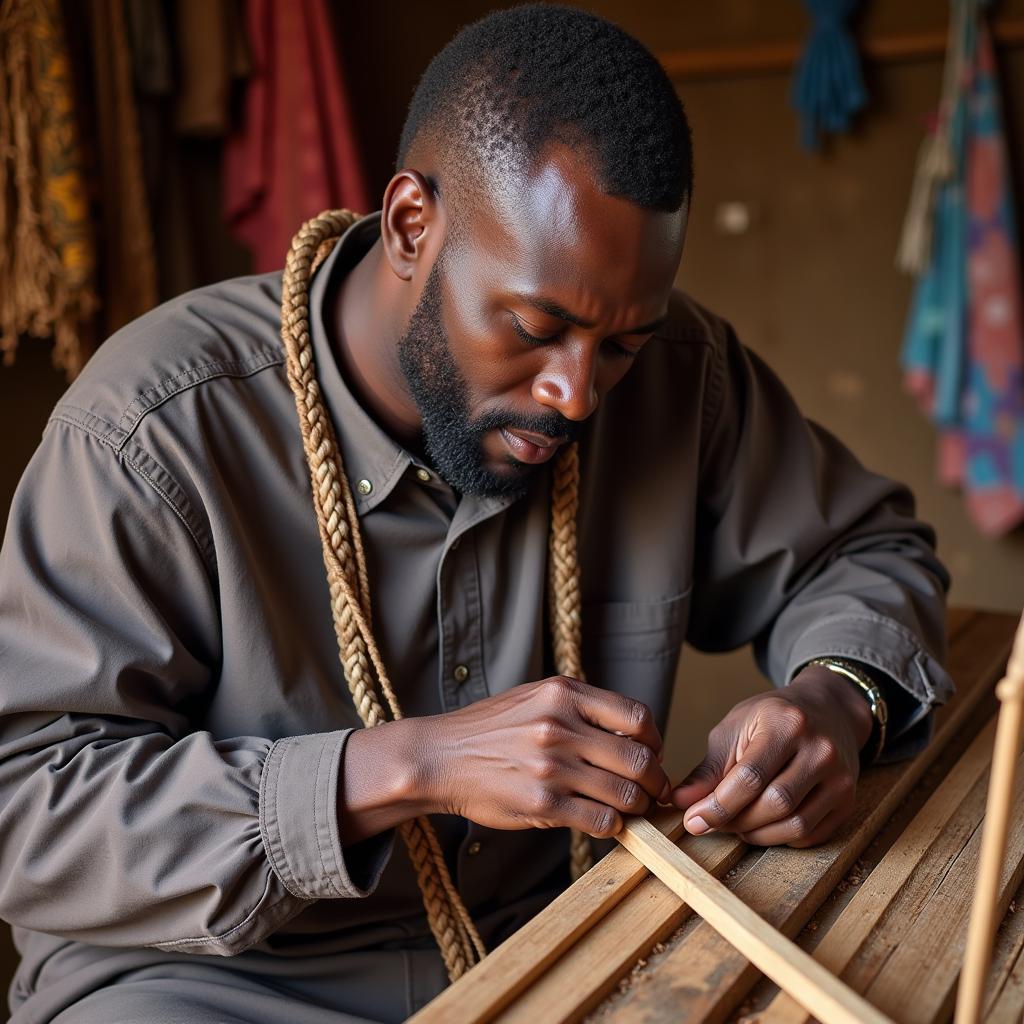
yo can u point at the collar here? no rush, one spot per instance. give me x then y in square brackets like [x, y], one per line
[371, 456]
[374, 461]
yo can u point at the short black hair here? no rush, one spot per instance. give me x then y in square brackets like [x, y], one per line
[509, 84]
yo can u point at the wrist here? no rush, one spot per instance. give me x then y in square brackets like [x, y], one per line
[855, 709]
[382, 780]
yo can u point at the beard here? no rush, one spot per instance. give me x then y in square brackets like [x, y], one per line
[452, 438]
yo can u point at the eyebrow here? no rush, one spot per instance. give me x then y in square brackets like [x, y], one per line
[552, 308]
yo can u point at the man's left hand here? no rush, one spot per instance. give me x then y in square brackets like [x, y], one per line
[781, 767]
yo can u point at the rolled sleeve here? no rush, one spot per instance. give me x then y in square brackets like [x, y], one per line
[299, 821]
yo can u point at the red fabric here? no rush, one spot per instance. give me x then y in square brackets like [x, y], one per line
[294, 153]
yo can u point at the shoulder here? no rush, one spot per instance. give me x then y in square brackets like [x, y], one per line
[226, 330]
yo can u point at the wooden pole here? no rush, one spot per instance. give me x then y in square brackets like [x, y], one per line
[793, 970]
[774, 58]
[982, 927]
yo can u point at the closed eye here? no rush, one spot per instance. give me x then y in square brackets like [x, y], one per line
[530, 339]
[614, 348]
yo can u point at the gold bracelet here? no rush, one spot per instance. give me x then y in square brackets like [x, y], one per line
[874, 696]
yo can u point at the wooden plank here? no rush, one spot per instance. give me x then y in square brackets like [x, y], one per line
[700, 977]
[1006, 985]
[875, 896]
[793, 970]
[917, 984]
[585, 975]
[981, 931]
[492, 984]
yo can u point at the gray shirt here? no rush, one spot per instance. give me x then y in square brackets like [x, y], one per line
[172, 710]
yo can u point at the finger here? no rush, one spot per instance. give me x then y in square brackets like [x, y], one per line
[589, 816]
[699, 783]
[763, 759]
[803, 824]
[617, 714]
[623, 795]
[626, 759]
[829, 827]
[780, 798]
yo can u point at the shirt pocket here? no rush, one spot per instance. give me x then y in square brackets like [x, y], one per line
[632, 648]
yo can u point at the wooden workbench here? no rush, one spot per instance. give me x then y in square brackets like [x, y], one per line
[884, 905]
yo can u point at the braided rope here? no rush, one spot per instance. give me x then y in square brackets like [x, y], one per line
[348, 582]
[565, 602]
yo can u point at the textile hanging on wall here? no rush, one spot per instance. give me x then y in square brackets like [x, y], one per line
[294, 153]
[828, 89]
[128, 256]
[47, 250]
[963, 354]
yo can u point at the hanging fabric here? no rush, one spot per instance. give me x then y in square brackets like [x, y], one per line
[294, 152]
[47, 250]
[828, 89]
[963, 354]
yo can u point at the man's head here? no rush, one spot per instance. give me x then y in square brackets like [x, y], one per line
[536, 222]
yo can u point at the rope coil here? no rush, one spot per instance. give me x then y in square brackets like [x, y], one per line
[348, 583]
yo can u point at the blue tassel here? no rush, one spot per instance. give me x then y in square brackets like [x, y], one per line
[828, 88]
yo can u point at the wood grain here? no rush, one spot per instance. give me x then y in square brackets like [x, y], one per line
[875, 896]
[793, 970]
[701, 978]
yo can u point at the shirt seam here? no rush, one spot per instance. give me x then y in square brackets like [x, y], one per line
[316, 823]
[183, 511]
[199, 374]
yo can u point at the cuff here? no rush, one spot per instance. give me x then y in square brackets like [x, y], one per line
[891, 649]
[299, 821]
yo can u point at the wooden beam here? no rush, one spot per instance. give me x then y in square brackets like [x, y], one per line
[876, 895]
[699, 977]
[782, 960]
[774, 58]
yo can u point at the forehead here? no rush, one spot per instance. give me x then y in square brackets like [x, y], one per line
[552, 228]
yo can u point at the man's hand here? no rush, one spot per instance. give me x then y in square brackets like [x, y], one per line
[781, 767]
[551, 754]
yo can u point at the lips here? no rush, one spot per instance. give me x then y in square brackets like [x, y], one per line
[528, 447]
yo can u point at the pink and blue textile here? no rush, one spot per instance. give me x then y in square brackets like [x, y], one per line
[963, 355]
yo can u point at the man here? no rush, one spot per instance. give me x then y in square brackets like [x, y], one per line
[182, 773]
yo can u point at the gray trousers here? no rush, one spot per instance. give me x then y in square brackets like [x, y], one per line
[348, 988]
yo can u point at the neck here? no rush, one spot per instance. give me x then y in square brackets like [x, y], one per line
[365, 325]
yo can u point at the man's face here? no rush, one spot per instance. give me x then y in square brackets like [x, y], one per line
[529, 317]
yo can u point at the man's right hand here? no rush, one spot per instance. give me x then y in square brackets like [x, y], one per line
[551, 754]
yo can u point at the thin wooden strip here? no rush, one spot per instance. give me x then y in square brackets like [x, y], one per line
[875, 896]
[917, 984]
[983, 921]
[587, 972]
[576, 983]
[701, 978]
[1006, 994]
[493, 983]
[783, 961]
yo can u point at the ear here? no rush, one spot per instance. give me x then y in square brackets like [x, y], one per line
[412, 223]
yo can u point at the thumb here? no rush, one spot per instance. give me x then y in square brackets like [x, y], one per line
[700, 782]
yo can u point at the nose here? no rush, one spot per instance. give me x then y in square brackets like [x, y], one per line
[567, 383]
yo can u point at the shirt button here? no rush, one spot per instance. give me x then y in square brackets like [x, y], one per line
[364, 487]
[461, 673]
[423, 475]
[473, 849]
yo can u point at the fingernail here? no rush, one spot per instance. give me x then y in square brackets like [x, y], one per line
[666, 792]
[697, 826]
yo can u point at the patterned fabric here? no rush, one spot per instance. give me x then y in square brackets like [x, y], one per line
[963, 350]
[47, 249]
